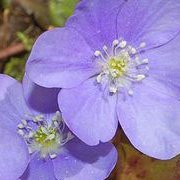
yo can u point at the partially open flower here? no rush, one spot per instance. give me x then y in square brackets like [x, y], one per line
[35, 143]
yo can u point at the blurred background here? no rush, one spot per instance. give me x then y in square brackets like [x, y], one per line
[21, 22]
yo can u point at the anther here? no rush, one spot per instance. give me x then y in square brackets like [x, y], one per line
[99, 78]
[122, 44]
[97, 53]
[30, 150]
[113, 89]
[145, 61]
[133, 51]
[130, 92]
[44, 130]
[38, 118]
[142, 45]
[50, 137]
[140, 77]
[24, 122]
[31, 134]
[52, 156]
[105, 48]
[20, 126]
[115, 42]
[20, 132]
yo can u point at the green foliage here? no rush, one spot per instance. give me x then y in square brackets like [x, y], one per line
[28, 42]
[16, 67]
[5, 3]
[60, 10]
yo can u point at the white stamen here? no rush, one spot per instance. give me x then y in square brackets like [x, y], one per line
[31, 134]
[113, 89]
[140, 77]
[50, 137]
[20, 126]
[52, 156]
[133, 51]
[142, 45]
[20, 132]
[99, 78]
[105, 48]
[24, 122]
[56, 124]
[115, 42]
[69, 136]
[137, 60]
[122, 44]
[44, 130]
[38, 118]
[45, 138]
[114, 73]
[30, 150]
[130, 92]
[122, 66]
[97, 53]
[145, 61]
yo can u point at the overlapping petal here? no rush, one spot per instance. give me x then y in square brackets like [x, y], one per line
[61, 58]
[88, 112]
[14, 156]
[39, 169]
[40, 99]
[12, 103]
[96, 21]
[151, 120]
[80, 161]
[154, 22]
[164, 64]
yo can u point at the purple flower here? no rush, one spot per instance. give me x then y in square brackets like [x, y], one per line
[117, 61]
[35, 143]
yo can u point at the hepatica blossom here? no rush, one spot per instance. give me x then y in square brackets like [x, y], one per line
[35, 144]
[116, 61]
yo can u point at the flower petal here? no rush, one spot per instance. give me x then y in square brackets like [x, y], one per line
[14, 156]
[154, 22]
[12, 103]
[43, 100]
[78, 161]
[164, 64]
[151, 120]
[96, 21]
[88, 113]
[60, 58]
[39, 169]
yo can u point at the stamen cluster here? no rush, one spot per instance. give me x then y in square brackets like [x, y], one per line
[43, 137]
[121, 66]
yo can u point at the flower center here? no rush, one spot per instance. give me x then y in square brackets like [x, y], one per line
[46, 136]
[121, 66]
[117, 66]
[42, 137]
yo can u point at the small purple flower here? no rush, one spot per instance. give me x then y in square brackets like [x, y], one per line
[35, 144]
[117, 61]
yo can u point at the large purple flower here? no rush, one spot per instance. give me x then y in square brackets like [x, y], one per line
[44, 149]
[117, 61]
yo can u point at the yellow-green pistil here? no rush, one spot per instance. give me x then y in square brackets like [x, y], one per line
[117, 66]
[45, 136]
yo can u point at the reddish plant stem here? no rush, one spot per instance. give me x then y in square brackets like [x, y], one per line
[11, 51]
